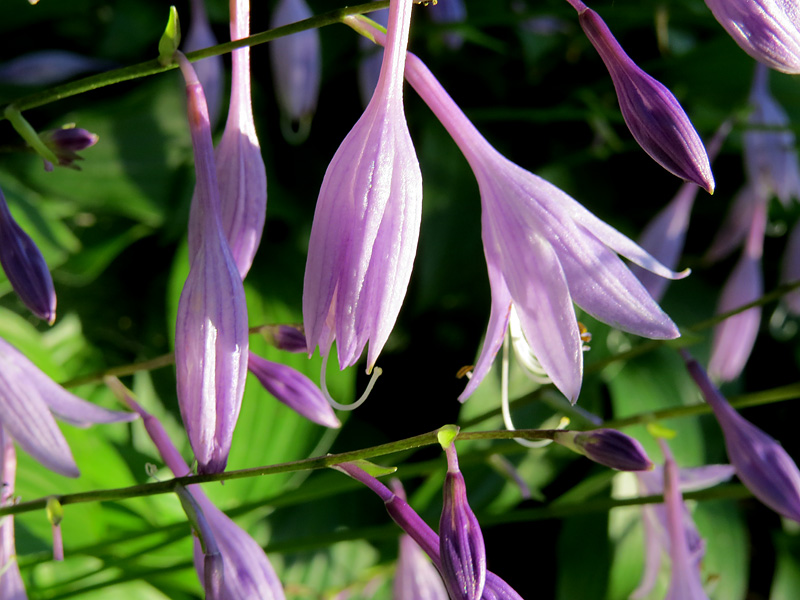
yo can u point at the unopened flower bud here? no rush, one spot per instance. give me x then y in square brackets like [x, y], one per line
[66, 142]
[607, 447]
[291, 338]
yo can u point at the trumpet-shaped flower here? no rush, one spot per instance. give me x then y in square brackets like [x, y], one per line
[240, 172]
[211, 336]
[25, 267]
[366, 224]
[11, 585]
[734, 338]
[768, 30]
[652, 113]
[765, 468]
[770, 154]
[28, 396]
[294, 389]
[544, 251]
[296, 68]
[210, 71]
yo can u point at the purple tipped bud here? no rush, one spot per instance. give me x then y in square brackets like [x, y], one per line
[766, 29]
[653, 115]
[66, 142]
[291, 338]
[460, 539]
[296, 65]
[760, 462]
[608, 447]
[25, 267]
[294, 389]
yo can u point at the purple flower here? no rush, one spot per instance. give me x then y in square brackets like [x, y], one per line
[461, 547]
[738, 221]
[11, 585]
[240, 172]
[48, 67]
[760, 461]
[296, 69]
[790, 270]
[67, 142]
[770, 155]
[766, 29]
[210, 71]
[290, 338]
[211, 335]
[294, 389]
[28, 396]
[25, 267]
[654, 518]
[369, 67]
[653, 115]
[684, 582]
[247, 570]
[607, 447]
[366, 224]
[543, 251]
[734, 338]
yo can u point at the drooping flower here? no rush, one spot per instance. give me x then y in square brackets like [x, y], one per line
[240, 172]
[294, 389]
[296, 69]
[366, 224]
[211, 335]
[734, 338]
[11, 585]
[247, 570]
[210, 71]
[28, 396]
[25, 267]
[654, 518]
[461, 546]
[543, 251]
[768, 30]
[652, 113]
[765, 468]
[67, 142]
[770, 153]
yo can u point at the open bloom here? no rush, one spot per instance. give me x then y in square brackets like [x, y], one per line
[768, 30]
[28, 396]
[652, 113]
[25, 267]
[543, 251]
[366, 224]
[765, 468]
[211, 336]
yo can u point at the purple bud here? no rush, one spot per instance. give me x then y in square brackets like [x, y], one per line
[735, 337]
[296, 68]
[210, 71]
[366, 224]
[653, 115]
[760, 462]
[66, 142]
[294, 389]
[25, 267]
[461, 545]
[291, 338]
[607, 447]
[766, 29]
[369, 67]
[211, 335]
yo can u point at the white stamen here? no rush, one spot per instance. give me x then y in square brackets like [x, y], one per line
[337, 405]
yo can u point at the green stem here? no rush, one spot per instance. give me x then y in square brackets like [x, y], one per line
[153, 67]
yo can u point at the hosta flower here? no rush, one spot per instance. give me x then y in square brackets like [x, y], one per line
[760, 461]
[28, 396]
[48, 67]
[247, 570]
[67, 142]
[211, 335]
[11, 585]
[296, 68]
[366, 224]
[240, 172]
[770, 154]
[369, 67]
[768, 30]
[652, 113]
[294, 389]
[734, 338]
[25, 267]
[738, 221]
[607, 447]
[544, 251]
[210, 71]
